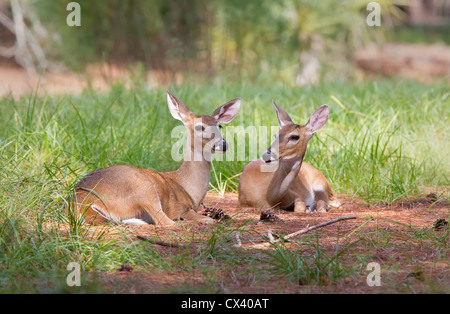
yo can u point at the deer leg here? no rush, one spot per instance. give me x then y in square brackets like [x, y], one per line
[321, 206]
[299, 207]
[192, 215]
[89, 208]
[321, 198]
[159, 217]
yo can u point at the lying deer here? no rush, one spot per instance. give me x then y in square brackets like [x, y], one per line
[280, 179]
[130, 195]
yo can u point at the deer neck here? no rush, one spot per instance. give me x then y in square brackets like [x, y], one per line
[290, 165]
[194, 174]
[283, 177]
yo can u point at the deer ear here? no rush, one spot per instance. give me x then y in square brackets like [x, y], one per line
[177, 108]
[283, 117]
[227, 112]
[318, 119]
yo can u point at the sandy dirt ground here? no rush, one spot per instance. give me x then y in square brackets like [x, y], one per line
[15, 81]
[383, 234]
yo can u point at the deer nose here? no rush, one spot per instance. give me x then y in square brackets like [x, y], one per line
[267, 156]
[222, 146]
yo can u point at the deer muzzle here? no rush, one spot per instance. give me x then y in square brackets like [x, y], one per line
[221, 146]
[268, 156]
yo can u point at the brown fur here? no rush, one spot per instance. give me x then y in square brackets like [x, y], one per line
[124, 192]
[292, 183]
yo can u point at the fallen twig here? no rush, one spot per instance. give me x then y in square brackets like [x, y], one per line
[164, 243]
[270, 236]
[360, 227]
[302, 231]
[240, 244]
[238, 240]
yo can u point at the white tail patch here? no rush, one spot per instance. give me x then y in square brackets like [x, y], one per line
[117, 220]
[134, 222]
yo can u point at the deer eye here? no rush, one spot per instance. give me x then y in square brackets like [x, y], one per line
[294, 137]
[199, 127]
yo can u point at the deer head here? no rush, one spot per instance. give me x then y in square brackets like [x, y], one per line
[292, 139]
[204, 136]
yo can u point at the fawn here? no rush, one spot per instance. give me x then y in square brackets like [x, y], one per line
[280, 179]
[130, 195]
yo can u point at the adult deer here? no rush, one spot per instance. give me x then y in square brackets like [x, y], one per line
[280, 179]
[130, 195]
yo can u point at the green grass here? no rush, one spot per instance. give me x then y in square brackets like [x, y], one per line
[384, 141]
[309, 263]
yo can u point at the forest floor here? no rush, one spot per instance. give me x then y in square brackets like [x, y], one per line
[404, 239]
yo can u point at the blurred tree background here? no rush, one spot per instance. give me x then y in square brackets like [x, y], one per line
[302, 41]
